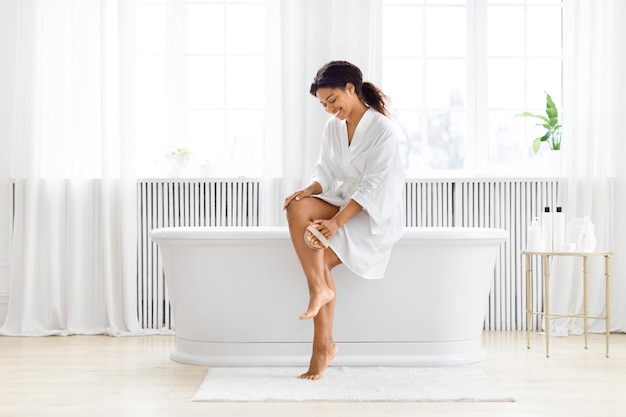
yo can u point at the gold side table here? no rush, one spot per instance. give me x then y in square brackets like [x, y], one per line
[545, 256]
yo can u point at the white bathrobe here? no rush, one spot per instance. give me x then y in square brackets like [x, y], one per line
[369, 171]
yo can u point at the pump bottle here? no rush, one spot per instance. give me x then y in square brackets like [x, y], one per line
[558, 230]
[546, 229]
[533, 241]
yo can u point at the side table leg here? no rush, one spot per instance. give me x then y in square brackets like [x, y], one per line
[546, 314]
[585, 297]
[607, 267]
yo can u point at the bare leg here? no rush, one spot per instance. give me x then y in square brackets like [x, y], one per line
[324, 347]
[300, 214]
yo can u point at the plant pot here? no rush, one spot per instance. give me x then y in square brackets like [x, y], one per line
[178, 163]
[553, 162]
[548, 162]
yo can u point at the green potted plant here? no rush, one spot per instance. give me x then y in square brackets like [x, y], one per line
[550, 122]
[179, 151]
[179, 159]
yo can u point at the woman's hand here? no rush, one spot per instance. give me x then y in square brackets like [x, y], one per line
[328, 228]
[312, 189]
[296, 196]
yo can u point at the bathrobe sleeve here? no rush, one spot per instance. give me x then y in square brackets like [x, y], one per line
[380, 189]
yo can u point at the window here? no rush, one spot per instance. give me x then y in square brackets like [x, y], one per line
[201, 83]
[459, 72]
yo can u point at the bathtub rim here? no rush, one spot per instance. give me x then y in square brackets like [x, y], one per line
[193, 233]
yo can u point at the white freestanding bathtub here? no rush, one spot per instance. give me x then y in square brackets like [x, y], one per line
[236, 294]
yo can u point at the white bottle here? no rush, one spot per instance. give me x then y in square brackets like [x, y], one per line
[587, 238]
[533, 240]
[558, 230]
[546, 230]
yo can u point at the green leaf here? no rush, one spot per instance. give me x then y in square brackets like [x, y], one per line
[536, 116]
[552, 113]
[549, 102]
[536, 144]
[551, 109]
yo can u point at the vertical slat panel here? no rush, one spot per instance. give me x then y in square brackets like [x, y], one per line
[509, 298]
[451, 203]
[219, 212]
[508, 301]
[167, 221]
[210, 203]
[151, 263]
[184, 204]
[157, 203]
[420, 203]
[526, 215]
[423, 208]
[438, 186]
[143, 261]
[193, 190]
[256, 214]
[520, 222]
[241, 201]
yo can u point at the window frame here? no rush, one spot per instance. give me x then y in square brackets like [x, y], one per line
[477, 110]
[178, 110]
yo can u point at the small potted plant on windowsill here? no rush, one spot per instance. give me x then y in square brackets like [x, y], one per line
[550, 122]
[179, 160]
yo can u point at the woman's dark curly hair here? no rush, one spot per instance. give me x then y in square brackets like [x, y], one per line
[336, 74]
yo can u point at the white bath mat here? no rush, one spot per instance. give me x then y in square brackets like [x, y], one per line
[456, 383]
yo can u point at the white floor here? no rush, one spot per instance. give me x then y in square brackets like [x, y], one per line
[133, 376]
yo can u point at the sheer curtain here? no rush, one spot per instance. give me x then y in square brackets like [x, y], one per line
[73, 253]
[72, 261]
[310, 33]
[594, 173]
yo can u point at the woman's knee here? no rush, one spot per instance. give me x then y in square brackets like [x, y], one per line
[298, 210]
[309, 209]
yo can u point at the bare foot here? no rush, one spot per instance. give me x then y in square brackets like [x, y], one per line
[318, 300]
[319, 362]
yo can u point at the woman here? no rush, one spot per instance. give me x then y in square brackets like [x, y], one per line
[356, 215]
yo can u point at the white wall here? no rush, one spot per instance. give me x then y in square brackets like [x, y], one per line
[8, 57]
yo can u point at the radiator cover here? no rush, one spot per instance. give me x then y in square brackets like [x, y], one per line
[501, 203]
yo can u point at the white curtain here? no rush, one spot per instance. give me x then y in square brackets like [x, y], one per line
[72, 261]
[593, 169]
[309, 34]
[73, 254]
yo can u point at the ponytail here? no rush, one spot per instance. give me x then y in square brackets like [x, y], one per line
[373, 97]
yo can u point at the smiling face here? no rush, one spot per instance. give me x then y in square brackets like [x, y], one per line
[339, 102]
